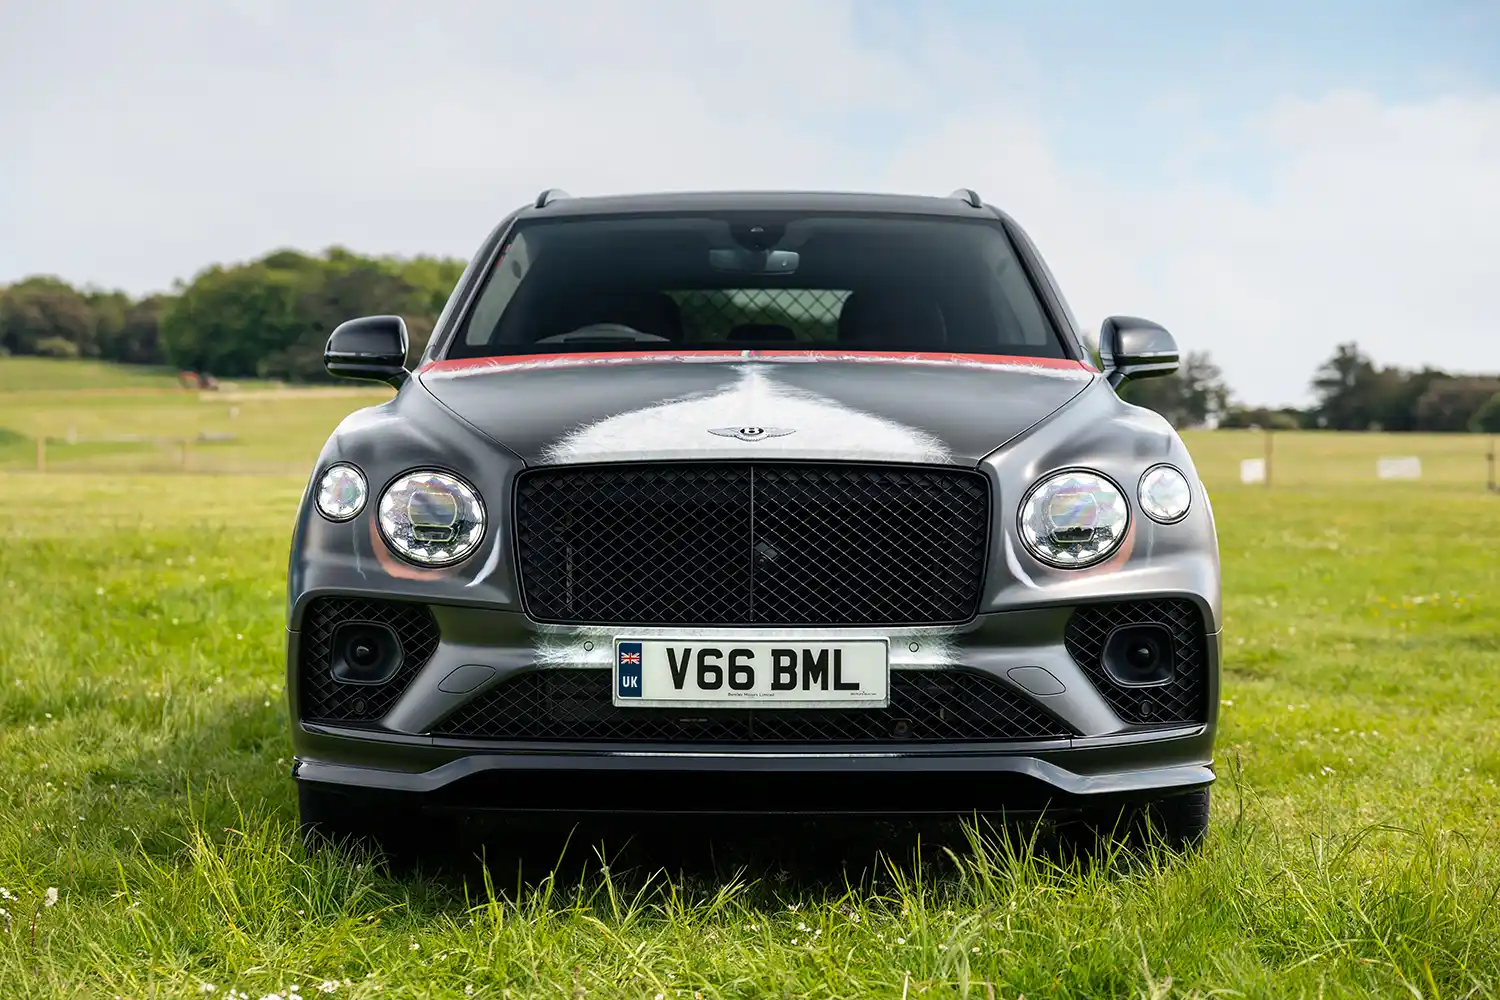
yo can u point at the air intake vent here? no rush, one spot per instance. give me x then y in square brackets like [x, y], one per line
[331, 686]
[1167, 687]
[927, 706]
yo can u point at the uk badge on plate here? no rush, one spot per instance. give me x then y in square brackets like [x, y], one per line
[628, 672]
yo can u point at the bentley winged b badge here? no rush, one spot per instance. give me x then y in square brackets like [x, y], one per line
[752, 433]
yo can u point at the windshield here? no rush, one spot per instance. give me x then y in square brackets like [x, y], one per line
[772, 280]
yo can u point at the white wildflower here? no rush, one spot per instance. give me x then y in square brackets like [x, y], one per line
[206, 987]
[328, 986]
[415, 946]
[51, 899]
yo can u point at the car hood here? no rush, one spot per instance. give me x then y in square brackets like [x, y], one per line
[629, 406]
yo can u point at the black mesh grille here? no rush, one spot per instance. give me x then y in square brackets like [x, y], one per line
[752, 544]
[926, 707]
[325, 699]
[1184, 699]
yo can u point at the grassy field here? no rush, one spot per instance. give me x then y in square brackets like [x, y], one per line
[144, 753]
[157, 427]
[49, 374]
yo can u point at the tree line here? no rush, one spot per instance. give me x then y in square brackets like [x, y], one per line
[269, 318]
[1351, 393]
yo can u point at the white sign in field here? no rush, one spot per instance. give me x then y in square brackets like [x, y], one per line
[1252, 470]
[1402, 467]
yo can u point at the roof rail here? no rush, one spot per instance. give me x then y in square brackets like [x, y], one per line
[969, 196]
[550, 195]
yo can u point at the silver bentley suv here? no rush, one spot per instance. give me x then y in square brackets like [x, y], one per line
[754, 503]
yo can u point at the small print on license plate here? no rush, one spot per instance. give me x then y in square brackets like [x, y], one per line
[718, 673]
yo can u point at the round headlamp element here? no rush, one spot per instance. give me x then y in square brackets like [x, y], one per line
[1074, 519]
[1165, 494]
[431, 518]
[341, 492]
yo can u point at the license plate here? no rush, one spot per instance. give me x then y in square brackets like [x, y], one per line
[714, 672]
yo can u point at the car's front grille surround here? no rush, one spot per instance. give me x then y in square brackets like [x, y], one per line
[752, 543]
[1184, 699]
[324, 699]
[926, 706]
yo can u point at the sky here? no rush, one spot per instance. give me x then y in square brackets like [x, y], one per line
[1266, 181]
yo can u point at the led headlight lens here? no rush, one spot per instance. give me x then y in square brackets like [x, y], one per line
[431, 518]
[1074, 519]
[1165, 494]
[341, 492]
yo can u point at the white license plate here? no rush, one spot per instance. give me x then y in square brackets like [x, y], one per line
[718, 672]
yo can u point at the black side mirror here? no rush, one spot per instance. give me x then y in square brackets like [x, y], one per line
[1135, 348]
[371, 347]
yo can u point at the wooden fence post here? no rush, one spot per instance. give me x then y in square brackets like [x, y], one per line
[1268, 434]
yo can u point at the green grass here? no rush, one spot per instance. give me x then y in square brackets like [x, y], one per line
[144, 753]
[254, 430]
[50, 374]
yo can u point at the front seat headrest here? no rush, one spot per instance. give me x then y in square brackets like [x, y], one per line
[892, 321]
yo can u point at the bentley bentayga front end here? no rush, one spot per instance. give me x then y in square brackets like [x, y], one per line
[754, 503]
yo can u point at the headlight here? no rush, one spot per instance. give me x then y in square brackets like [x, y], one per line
[1165, 494]
[1074, 519]
[431, 518]
[341, 492]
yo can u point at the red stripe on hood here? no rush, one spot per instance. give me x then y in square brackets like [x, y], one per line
[930, 357]
[500, 363]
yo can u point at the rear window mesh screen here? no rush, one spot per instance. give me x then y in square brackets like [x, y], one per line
[794, 314]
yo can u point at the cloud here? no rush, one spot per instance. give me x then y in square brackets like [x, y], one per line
[1374, 222]
[156, 139]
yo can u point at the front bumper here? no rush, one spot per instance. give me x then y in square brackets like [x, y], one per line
[1107, 759]
[1055, 776]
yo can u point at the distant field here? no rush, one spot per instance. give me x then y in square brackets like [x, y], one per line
[247, 427]
[1301, 459]
[32, 374]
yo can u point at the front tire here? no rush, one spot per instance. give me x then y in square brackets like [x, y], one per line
[1178, 822]
[330, 817]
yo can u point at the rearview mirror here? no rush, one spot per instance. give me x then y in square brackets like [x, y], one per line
[1130, 347]
[371, 347]
[746, 261]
